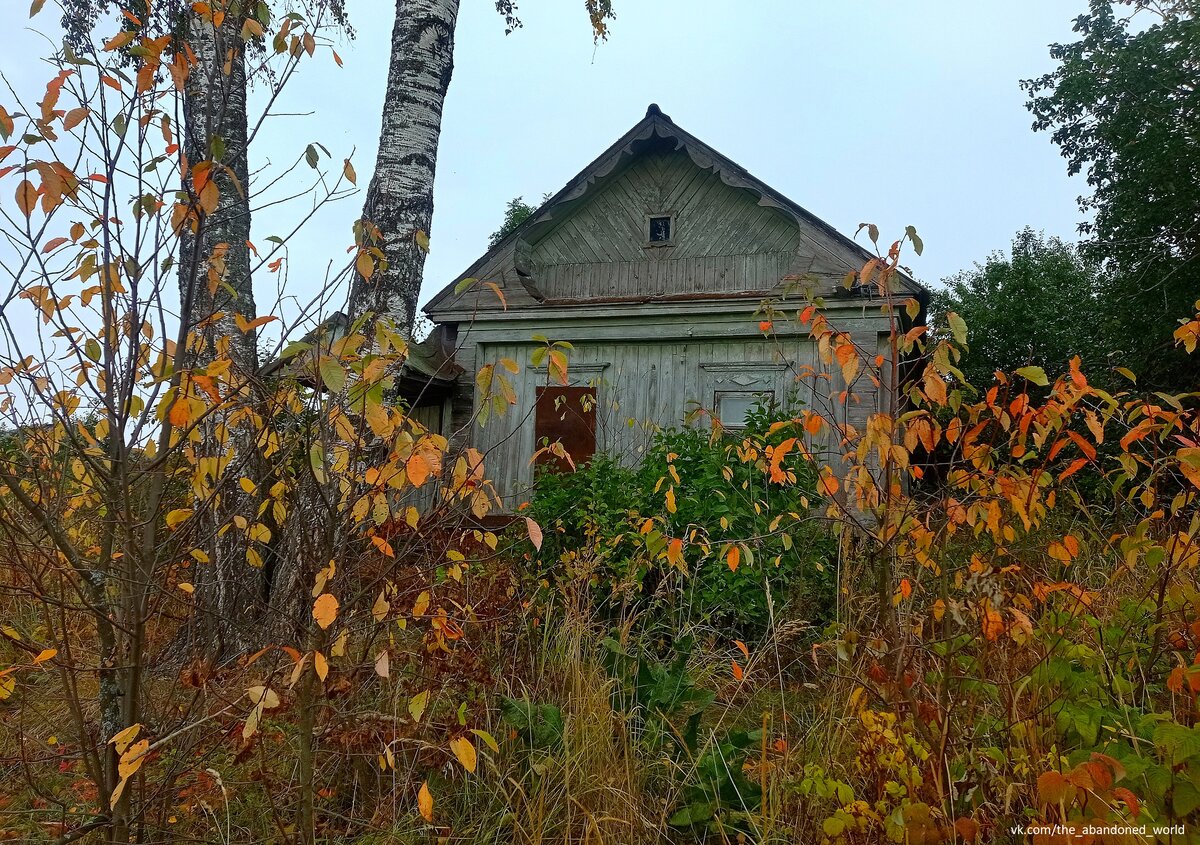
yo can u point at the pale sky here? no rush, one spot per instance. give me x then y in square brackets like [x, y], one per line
[871, 111]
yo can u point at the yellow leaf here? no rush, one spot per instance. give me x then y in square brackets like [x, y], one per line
[379, 610]
[131, 760]
[247, 485]
[325, 610]
[321, 665]
[417, 704]
[178, 516]
[265, 696]
[425, 802]
[8, 686]
[488, 739]
[121, 39]
[422, 240]
[45, 654]
[464, 750]
[186, 587]
[421, 604]
[671, 500]
[121, 739]
[365, 265]
[339, 645]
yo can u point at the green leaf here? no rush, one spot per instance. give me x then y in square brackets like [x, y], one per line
[958, 328]
[1185, 799]
[332, 374]
[1177, 743]
[316, 458]
[462, 286]
[693, 814]
[1034, 374]
[918, 244]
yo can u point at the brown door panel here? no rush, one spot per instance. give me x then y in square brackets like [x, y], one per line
[567, 415]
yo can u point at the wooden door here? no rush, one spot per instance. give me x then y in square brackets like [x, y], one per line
[566, 415]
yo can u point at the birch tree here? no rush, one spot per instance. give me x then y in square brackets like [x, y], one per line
[393, 234]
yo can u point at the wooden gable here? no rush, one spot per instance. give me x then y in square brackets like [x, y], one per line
[732, 235]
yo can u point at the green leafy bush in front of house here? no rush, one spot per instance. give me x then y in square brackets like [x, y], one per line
[697, 529]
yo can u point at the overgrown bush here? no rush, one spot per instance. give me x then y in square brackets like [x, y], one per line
[752, 546]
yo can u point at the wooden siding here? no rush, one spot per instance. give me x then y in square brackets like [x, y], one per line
[640, 387]
[723, 240]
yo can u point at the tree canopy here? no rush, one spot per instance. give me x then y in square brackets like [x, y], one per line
[1037, 306]
[1122, 107]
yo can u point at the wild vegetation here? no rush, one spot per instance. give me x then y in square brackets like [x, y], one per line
[246, 597]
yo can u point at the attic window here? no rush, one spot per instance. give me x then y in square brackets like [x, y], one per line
[660, 229]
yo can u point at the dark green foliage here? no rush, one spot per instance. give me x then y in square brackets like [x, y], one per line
[1036, 306]
[515, 213]
[541, 725]
[1122, 106]
[593, 522]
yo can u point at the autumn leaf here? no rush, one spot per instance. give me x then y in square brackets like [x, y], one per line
[464, 750]
[738, 673]
[27, 196]
[535, 533]
[325, 610]
[733, 558]
[1036, 375]
[425, 802]
[417, 469]
[321, 665]
[45, 654]
[417, 704]
[348, 172]
[382, 664]
[422, 240]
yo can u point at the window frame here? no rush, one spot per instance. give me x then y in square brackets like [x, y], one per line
[752, 393]
[672, 222]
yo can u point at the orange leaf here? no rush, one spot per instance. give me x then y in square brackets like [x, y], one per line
[738, 674]
[1053, 787]
[1129, 799]
[178, 416]
[425, 802]
[325, 610]
[742, 648]
[26, 197]
[906, 588]
[733, 558]
[417, 469]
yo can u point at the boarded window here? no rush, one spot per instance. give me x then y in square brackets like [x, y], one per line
[733, 406]
[566, 415]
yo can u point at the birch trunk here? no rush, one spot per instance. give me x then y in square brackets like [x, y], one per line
[399, 201]
[215, 279]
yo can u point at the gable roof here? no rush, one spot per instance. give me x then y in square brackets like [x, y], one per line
[508, 253]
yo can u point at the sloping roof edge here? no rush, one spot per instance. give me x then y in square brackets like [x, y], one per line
[657, 123]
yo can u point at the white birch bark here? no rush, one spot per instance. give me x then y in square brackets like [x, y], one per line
[399, 201]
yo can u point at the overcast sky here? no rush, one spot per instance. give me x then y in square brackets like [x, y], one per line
[871, 111]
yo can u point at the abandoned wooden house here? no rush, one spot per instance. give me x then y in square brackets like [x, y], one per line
[652, 263]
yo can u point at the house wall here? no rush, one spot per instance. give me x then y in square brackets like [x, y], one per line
[649, 369]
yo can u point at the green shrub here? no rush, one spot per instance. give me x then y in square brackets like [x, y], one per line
[595, 529]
